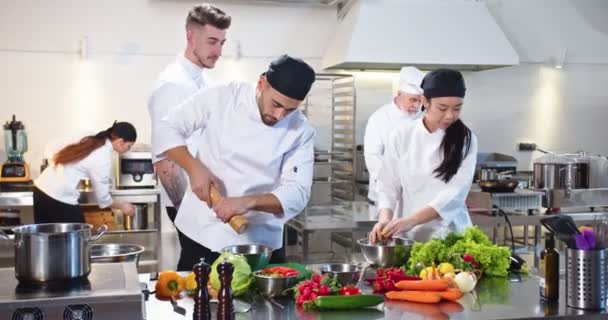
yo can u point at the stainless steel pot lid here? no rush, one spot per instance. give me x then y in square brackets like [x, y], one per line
[52, 228]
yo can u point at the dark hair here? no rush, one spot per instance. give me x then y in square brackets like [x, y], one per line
[205, 14]
[455, 146]
[80, 150]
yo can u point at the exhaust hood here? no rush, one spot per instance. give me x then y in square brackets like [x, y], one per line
[389, 34]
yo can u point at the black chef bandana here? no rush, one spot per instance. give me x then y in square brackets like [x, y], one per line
[443, 83]
[291, 77]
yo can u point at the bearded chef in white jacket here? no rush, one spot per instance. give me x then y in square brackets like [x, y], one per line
[256, 145]
[404, 107]
[429, 165]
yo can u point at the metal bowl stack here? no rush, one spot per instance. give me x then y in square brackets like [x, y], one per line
[393, 252]
[257, 256]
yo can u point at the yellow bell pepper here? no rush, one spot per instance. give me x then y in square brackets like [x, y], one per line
[191, 284]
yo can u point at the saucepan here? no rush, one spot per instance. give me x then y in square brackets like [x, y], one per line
[53, 251]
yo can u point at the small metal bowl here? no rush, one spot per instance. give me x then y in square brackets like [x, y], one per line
[272, 287]
[346, 274]
[257, 256]
[394, 252]
[116, 252]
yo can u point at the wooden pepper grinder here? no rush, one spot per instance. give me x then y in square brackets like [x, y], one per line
[238, 223]
[202, 308]
[225, 309]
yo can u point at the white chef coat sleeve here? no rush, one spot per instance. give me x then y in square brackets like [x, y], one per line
[373, 147]
[99, 165]
[449, 201]
[161, 101]
[389, 186]
[295, 183]
[187, 117]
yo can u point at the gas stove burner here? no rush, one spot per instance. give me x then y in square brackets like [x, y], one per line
[66, 286]
[28, 314]
[78, 312]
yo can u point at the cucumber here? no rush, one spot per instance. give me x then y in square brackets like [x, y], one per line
[348, 302]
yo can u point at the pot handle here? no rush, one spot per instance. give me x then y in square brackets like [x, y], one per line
[99, 232]
[4, 236]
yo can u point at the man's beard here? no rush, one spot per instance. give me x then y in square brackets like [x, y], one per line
[269, 120]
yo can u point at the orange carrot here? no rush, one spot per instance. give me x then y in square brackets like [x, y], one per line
[451, 294]
[423, 285]
[414, 296]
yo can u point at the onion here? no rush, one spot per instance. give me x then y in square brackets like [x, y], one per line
[466, 281]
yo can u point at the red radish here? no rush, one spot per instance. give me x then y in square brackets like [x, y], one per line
[324, 291]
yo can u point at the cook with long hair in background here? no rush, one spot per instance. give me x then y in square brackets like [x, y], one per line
[56, 189]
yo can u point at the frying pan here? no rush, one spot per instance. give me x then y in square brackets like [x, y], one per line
[498, 186]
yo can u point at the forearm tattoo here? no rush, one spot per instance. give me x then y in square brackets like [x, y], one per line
[173, 179]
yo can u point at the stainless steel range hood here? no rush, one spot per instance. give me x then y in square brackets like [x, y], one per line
[388, 34]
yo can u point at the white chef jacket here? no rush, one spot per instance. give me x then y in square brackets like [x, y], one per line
[178, 81]
[248, 156]
[60, 182]
[377, 132]
[412, 154]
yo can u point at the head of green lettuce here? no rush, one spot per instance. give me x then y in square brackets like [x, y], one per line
[241, 277]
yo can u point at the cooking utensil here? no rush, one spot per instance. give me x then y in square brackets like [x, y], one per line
[600, 229]
[346, 274]
[273, 301]
[238, 223]
[581, 242]
[139, 219]
[116, 252]
[177, 308]
[53, 251]
[498, 186]
[487, 174]
[257, 256]
[562, 227]
[589, 238]
[393, 253]
[273, 286]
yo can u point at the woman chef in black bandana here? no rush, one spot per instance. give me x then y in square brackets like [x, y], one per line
[429, 164]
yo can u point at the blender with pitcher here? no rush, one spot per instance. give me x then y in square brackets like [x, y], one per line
[15, 170]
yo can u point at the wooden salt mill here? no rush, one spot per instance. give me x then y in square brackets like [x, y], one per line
[225, 309]
[202, 308]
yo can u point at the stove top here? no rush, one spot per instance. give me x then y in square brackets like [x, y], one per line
[111, 291]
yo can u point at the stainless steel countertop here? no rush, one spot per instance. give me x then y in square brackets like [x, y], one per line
[16, 199]
[496, 298]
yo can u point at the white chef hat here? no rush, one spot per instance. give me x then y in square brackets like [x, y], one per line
[410, 79]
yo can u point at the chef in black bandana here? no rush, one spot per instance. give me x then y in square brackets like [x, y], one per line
[429, 165]
[255, 146]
